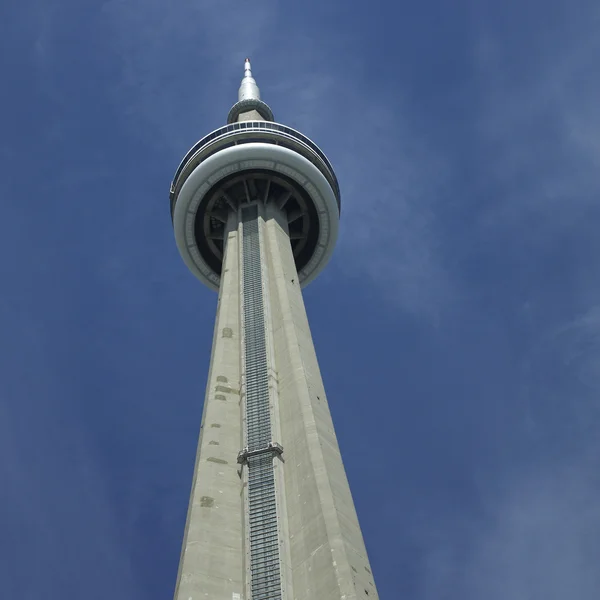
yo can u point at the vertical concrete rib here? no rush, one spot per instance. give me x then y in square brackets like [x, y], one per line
[328, 556]
[211, 564]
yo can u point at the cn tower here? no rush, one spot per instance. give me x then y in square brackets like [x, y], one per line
[255, 208]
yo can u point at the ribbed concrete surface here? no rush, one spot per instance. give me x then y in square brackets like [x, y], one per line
[328, 557]
[211, 566]
[322, 552]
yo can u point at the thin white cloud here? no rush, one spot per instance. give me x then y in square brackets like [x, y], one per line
[539, 539]
[172, 55]
[539, 113]
[534, 543]
[537, 124]
[49, 476]
[390, 228]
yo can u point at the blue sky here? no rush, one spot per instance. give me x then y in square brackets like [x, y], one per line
[462, 302]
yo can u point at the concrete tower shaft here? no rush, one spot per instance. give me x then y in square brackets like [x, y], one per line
[271, 516]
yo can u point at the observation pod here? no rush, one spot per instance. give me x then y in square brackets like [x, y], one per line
[254, 161]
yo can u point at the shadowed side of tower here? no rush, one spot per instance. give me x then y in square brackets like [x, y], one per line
[255, 209]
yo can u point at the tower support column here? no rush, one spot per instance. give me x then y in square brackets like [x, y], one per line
[255, 208]
[211, 564]
[327, 551]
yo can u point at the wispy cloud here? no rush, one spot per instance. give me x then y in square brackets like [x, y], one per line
[175, 59]
[539, 113]
[529, 204]
[562, 381]
[50, 476]
[391, 229]
[539, 538]
[536, 532]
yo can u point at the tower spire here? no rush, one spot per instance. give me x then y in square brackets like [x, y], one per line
[247, 68]
[248, 88]
[249, 106]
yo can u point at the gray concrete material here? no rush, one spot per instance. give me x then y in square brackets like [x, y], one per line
[250, 115]
[321, 550]
[327, 551]
[211, 564]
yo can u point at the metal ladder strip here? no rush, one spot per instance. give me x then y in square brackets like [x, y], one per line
[265, 576]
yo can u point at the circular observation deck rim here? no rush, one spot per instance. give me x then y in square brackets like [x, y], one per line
[283, 134]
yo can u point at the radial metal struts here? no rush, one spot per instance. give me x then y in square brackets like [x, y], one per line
[249, 187]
